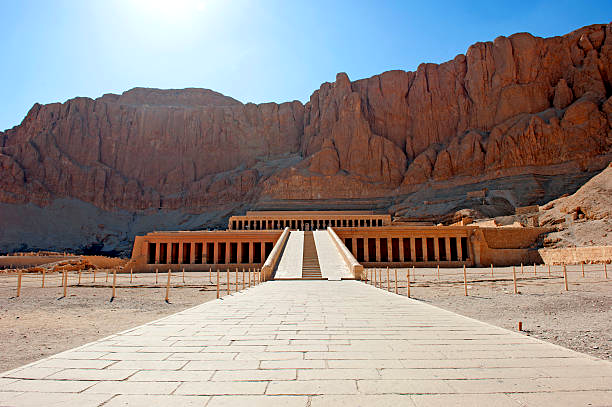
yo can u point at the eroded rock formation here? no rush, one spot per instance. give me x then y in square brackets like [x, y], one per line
[514, 106]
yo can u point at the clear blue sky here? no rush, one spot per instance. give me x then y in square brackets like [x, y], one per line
[255, 51]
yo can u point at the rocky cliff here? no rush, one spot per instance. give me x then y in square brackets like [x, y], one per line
[530, 117]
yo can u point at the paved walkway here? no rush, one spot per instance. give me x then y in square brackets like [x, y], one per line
[313, 343]
[331, 263]
[290, 263]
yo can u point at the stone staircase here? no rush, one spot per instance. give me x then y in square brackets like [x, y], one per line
[310, 261]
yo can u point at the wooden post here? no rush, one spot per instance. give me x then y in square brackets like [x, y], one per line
[210, 274]
[94, 280]
[79, 283]
[217, 283]
[535, 270]
[236, 281]
[131, 275]
[167, 299]
[438, 272]
[582, 266]
[522, 268]
[549, 270]
[514, 279]
[465, 280]
[65, 283]
[249, 276]
[156, 280]
[114, 283]
[492, 270]
[565, 277]
[183, 275]
[43, 277]
[408, 283]
[107, 275]
[243, 282]
[227, 281]
[19, 283]
[388, 288]
[375, 277]
[395, 281]
[605, 270]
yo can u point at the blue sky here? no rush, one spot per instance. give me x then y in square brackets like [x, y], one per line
[255, 51]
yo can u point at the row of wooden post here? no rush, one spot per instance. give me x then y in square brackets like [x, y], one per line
[374, 277]
[254, 277]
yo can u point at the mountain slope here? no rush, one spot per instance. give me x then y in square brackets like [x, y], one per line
[522, 113]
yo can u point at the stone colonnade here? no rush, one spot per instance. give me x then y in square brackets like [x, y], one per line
[196, 250]
[306, 223]
[410, 246]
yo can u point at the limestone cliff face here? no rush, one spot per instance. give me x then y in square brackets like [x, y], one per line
[506, 107]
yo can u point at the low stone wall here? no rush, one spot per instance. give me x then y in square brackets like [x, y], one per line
[270, 263]
[350, 261]
[575, 255]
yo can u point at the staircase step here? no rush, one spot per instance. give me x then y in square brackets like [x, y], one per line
[311, 268]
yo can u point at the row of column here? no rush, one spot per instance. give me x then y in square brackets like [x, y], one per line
[447, 248]
[215, 252]
[279, 224]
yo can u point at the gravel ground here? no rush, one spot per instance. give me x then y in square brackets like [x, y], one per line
[40, 322]
[579, 319]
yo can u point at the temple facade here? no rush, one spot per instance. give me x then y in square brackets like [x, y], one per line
[260, 220]
[359, 237]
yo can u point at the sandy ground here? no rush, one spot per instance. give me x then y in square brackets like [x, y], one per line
[579, 319]
[40, 323]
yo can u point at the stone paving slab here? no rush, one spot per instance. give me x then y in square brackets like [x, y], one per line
[313, 343]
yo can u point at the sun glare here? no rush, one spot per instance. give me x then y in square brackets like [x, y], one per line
[171, 8]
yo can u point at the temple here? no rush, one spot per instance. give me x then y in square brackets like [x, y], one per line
[331, 244]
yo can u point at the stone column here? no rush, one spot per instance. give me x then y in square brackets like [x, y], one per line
[412, 249]
[377, 249]
[263, 252]
[437, 248]
[239, 253]
[401, 248]
[157, 250]
[250, 252]
[448, 251]
[390, 248]
[192, 253]
[424, 243]
[180, 253]
[459, 249]
[227, 252]
[366, 252]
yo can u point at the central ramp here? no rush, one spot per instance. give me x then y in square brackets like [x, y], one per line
[311, 256]
[331, 263]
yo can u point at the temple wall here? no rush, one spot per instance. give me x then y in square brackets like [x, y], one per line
[576, 255]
